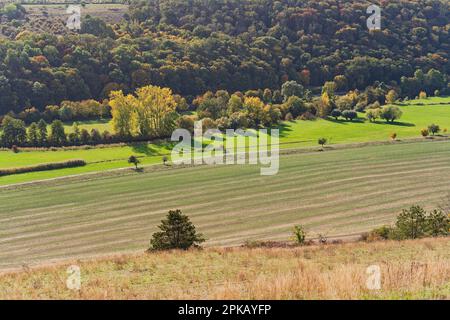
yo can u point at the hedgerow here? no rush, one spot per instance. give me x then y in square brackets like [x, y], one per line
[43, 167]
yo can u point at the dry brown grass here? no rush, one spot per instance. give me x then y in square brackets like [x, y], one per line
[410, 270]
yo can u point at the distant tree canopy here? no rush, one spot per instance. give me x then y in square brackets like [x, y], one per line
[197, 46]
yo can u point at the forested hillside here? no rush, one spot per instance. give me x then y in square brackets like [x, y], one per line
[194, 46]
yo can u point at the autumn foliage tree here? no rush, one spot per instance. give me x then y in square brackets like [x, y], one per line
[123, 115]
[151, 113]
[391, 97]
[155, 110]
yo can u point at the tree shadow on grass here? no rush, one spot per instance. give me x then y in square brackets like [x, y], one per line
[344, 121]
[87, 122]
[284, 129]
[151, 149]
[338, 121]
[395, 123]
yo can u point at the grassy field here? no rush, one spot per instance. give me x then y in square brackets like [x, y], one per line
[98, 159]
[334, 193]
[296, 134]
[418, 114]
[415, 118]
[409, 270]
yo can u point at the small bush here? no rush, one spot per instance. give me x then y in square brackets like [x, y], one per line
[394, 136]
[300, 234]
[422, 95]
[425, 133]
[437, 224]
[134, 160]
[322, 141]
[43, 167]
[413, 223]
[434, 128]
[382, 233]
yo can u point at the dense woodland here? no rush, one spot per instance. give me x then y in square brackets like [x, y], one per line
[238, 63]
[195, 46]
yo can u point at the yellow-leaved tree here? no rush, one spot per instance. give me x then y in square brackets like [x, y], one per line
[123, 113]
[325, 106]
[254, 108]
[149, 114]
[391, 97]
[155, 111]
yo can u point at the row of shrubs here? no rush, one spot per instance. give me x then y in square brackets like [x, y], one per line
[43, 167]
[178, 232]
[432, 129]
[413, 223]
[388, 113]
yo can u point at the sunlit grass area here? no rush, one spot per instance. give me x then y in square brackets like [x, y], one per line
[296, 134]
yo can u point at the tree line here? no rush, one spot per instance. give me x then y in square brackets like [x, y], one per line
[41, 134]
[152, 112]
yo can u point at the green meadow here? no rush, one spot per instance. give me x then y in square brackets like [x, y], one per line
[415, 118]
[418, 114]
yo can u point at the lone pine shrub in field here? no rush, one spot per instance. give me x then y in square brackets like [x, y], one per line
[177, 232]
[411, 223]
[438, 224]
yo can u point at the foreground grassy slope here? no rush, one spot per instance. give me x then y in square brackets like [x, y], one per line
[293, 135]
[335, 193]
[409, 270]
